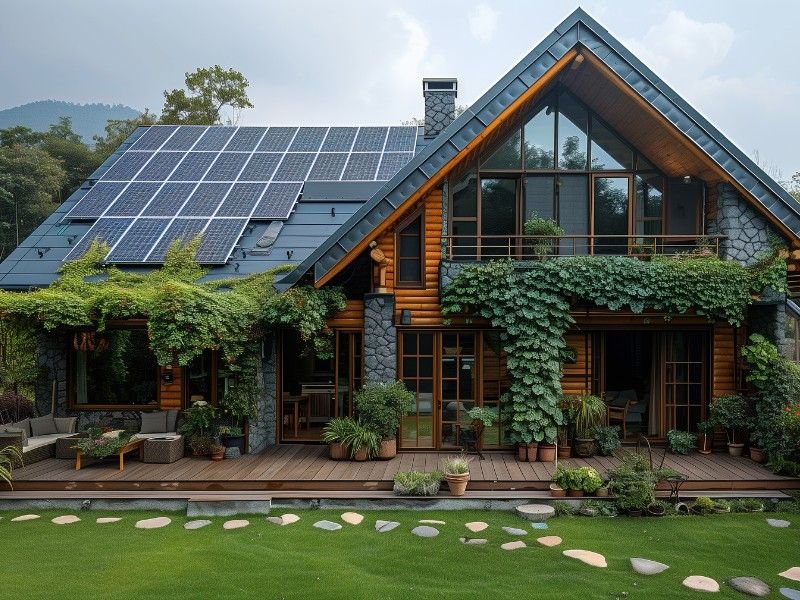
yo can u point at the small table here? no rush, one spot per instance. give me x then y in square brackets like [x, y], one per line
[675, 482]
[133, 445]
[295, 402]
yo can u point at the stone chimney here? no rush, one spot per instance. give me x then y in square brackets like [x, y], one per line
[440, 104]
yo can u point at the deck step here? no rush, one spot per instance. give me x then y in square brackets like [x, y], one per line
[227, 505]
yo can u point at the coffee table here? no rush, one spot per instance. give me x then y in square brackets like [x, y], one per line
[133, 445]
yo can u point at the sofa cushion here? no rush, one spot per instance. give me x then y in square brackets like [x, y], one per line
[42, 440]
[172, 418]
[66, 424]
[43, 426]
[154, 422]
[19, 432]
[25, 425]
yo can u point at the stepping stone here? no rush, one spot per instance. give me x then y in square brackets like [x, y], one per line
[644, 566]
[425, 531]
[539, 525]
[191, 525]
[701, 584]
[154, 523]
[790, 593]
[235, 524]
[793, 574]
[276, 520]
[384, 526]
[536, 512]
[104, 520]
[476, 526]
[778, 523]
[514, 531]
[432, 522]
[549, 540]
[352, 518]
[752, 586]
[25, 518]
[327, 525]
[513, 545]
[473, 541]
[65, 520]
[286, 519]
[588, 557]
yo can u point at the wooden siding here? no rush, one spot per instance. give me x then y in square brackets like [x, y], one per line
[576, 376]
[352, 317]
[724, 363]
[171, 395]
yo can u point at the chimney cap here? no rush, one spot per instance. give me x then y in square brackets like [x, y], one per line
[440, 84]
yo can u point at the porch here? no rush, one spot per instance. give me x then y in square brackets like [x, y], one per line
[297, 470]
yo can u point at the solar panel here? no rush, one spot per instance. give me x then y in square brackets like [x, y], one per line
[96, 200]
[328, 166]
[294, 167]
[277, 139]
[160, 166]
[169, 199]
[245, 139]
[370, 139]
[241, 200]
[193, 166]
[135, 244]
[308, 139]
[391, 163]
[181, 229]
[278, 201]
[154, 137]
[214, 138]
[184, 138]
[219, 239]
[227, 166]
[104, 230]
[340, 139]
[401, 139]
[126, 166]
[205, 200]
[131, 202]
[261, 166]
[362, 167]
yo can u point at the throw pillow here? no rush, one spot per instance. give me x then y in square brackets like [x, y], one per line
[172, 418]
[16, 430]
[66, 424]
[43, 426]
[154, 422]
[25, 425]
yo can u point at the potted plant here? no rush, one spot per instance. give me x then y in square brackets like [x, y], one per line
[730, 412]
[199, 419]
[238, 404]
[680, 442]
[335, 433]
[202, 444]
[217, 452]
[481, 417]
[527, 451]
[380, 407]
[456, 473]
[546, 452]
[705, 436]
[590, 411]
[569, 408]
[588, 480]
[231, 437]
[606, 438]
[544, 236]
[417, 483]
[657, 508]
[363, 441]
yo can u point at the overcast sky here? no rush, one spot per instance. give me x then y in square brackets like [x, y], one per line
[347, 62]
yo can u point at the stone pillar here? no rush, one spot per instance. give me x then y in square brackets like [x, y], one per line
[440, 104]
[380, 338]
[768, 317]
[262, 429]
[748, 233]
[51, 356]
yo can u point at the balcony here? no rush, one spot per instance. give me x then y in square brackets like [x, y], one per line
[537, 247]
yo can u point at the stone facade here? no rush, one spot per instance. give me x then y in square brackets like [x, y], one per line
[448, 271]
[262, 429]
[440, 110]
[380, 338]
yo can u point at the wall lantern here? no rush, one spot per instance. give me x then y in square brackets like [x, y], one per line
[405, 316]
[167, 375]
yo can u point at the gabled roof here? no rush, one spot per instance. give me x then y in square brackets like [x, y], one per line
[577, 32]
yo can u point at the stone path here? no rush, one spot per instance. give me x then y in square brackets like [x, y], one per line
[644, 566]
[198, 524]
[286, 519]
[790, 593]
[328, 525]
[425, 531]
[793, 574]
[536, 512]
[65, 520]
[549, 540]
[155, 523]
[517, 545]
[25, 518]
[104, 520]
[752, 586]
[352, 518]
[778, 523]
[476, 526]
[515, 531]
[235, 524]
[588, 557]
[473, 541]
[701, 583]
[384, 526]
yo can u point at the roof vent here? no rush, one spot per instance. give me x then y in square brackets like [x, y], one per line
[440, 104]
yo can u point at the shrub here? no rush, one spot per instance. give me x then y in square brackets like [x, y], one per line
[15, 406]
[381, 406]
[563, 508]
[456, 465]
[681, 442]
[730, 412]
[633, 482]
[606, 437]
[9, 456]
[591, 412]
[746, 505]
[538, 226]
[417, 483]
[588, 479]
[362, 437]
[703, 505]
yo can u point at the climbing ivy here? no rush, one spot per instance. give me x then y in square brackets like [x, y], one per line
[529, 303]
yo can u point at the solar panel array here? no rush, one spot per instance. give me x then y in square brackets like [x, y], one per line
[175, 182]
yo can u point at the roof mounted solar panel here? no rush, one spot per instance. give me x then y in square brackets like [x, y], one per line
[391, 163]
[277, 139]
[154, 137]
[193, 166]
[127, 166]
[160, 166]
[261, 166]
[370, 139]
[245, 139]
[205, 200]
[169, 199]
[136, 242]
[180, 229]
[227, 166]
[328, 166]
[308, 139]
[184, 138]
[401, 139]
[277, 202]
[96, 200]
[135, 197]
[339, 139]
[241, 200]
[219, 238]
[107, 231]
[362, 166]
[294, 167]
[214, 138]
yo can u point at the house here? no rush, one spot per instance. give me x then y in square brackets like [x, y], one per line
[580, 131]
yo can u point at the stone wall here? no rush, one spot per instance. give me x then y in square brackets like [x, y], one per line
[51, 356]
[440, 110]
[262, 429]
[380, 338]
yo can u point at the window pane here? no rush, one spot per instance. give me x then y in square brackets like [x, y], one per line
[572, 125]
[409, 245]
[507, 156]
[498, 214]
[573, 212]
[465, 196]
[608, 151]
[611, 214]
[649, 202]
[540, 197]
[410, 270]
[539, 139]
[642, 164]
[683, 208]
[465, 244]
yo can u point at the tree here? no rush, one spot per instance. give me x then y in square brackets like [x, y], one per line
[29, 180]
[78, 159]
[117, 131]
[209, 91]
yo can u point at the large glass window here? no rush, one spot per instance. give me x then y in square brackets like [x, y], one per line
[507, 156]
[608, 151]
[683, 210]
[573, 213]
[118, 370]
[573, 123]
[410, 256]
[539, 140]
[498, 215]
[649, 204]
[611, 199]
[540, 197]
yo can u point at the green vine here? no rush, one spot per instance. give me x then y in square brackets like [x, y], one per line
[529, 302]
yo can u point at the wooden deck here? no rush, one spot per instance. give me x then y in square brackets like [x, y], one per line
[294, 467]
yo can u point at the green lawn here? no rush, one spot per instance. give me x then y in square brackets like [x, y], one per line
[266, 561]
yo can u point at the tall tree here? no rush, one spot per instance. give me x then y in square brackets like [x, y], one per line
[208, 91]
[78, 159]
[117, 131]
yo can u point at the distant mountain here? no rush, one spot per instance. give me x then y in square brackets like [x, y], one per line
[87, 119]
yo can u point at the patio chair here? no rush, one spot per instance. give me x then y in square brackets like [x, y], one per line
[624, 407]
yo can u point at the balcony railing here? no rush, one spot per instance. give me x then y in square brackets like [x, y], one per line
[535, 247]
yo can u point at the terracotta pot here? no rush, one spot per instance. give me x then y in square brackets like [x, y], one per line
[564, 452]
[557, 491]
[584, 447]
[457, 483]
[575, 493]
[361, 455]
[337, 451]
[546, 452]
[654, 510]
[527, 452]
[704, 443]
[218, 455]
[757, 454]
[387, 449]
[735, 449]
[602, 492]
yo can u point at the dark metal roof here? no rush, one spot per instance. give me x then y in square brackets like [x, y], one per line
[577, 30]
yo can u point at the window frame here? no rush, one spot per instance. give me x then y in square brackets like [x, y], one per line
[415, 284]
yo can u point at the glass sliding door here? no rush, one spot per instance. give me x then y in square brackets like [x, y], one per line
[498, 217]
[495, 382]
[458, 374]
[349, 370]
[416, 371]
[685, 379]
[611, 214]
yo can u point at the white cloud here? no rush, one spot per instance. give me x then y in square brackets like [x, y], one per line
[483, 23]
[417, 44]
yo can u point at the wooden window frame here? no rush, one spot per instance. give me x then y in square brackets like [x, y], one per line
[416, 284]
